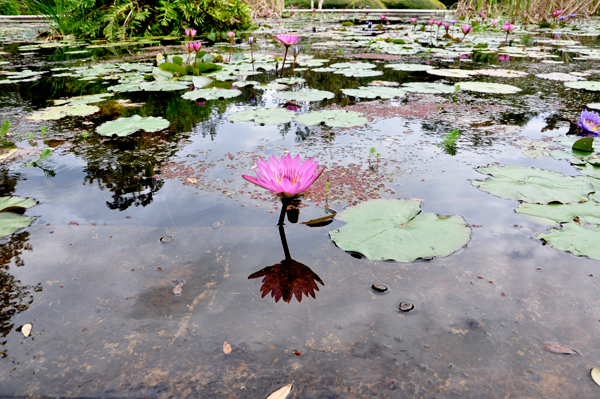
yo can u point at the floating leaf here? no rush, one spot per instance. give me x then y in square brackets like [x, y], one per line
[408, 67]
[590, 85]
[290, 81]
[53, 113]
[375, 92]
[125, 88]
[574, 238]
[304, 95]
[358, 73]
[166, 85]
[14, 203]
[484, 87]
[501, 73]
[281, 393]
[201, 81]
[26, 329]
[263, 116]
[226, 348]
[587, 212]
[585, 144]
[125, 126]
[533, 185]
[558, 348]
[94, 98]
[451, 73]
[333, 118]
[353, 65]
[589, 170]
[11, 222]
[595, 373]
[214, 93]
[428, 88]
[395, 229]
[173, 68]
[563, 77]
[319, 222]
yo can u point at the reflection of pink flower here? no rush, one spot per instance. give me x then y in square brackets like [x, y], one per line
[463, 56]
[287, 40]
[197, 46]
[288, 279]
[286, 177]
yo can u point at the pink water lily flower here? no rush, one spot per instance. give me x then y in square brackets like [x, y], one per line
[287, 40]
[190, 33]
[413, 20]
[286, 177]
[508, 28]
[197, 46]
[466, 29]
[431, 22]
[439, 23]
[231, 35]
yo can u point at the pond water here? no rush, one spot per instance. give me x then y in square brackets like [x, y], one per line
[149, 252]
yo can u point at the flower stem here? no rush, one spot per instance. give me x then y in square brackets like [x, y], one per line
[286, 250]
[284, 57]
[284, 204]
[293, 65]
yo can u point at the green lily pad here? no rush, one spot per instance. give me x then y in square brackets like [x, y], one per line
[593, 106]
[271, 86]
[587, 212]
[571, 157]
[574, 238]
[201, 81]
[214, 93]
[590, 170]
[125, 126]
[484, 87]
[569, 140]
[451, 73]
[590, 85]
[358, 73]
[353, 65]
[501, 73]
[396, 230]
[53, 113]
[14, 203]
[304, 95]
[428, 88]
[333, 118]
[165, 85]
[125, 88]
[374, 92]
[324, 69]
[11, 222]
[585, 144]
[533, 185]
[408, 67]
[93, 98]
[263, 116]
[563, 77]
[290, 81]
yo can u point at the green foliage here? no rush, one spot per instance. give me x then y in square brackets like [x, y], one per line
[4, 128]
[119, 19]
[449, 142]
[10, 7]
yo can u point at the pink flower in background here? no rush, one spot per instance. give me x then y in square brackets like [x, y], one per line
[287, 40]
[431, 22]
[438, 23]
[197, 46]
[504, 57]
[508, 28]
[413, 20]
[494, 23]
[190, 33]
[231, 35]
[466, 29]
[286, 177]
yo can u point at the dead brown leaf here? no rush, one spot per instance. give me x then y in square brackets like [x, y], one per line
[226, 348]
[558, 348]
[282, 392]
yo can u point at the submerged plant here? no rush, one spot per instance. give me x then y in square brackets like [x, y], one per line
[589, 121]
[449, 142]
[287, 41]
[287, 177]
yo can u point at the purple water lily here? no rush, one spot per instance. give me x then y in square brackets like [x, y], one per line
[589, 121]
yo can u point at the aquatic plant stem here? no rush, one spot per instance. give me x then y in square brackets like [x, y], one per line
[284, 204]
[286, 250]
[293, 65]
[284, 57]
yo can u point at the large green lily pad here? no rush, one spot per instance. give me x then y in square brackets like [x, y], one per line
[485, 87]
[428, 88]
[574, 238]
[263, 116]
[165, 85]
[125, 126]
[533, 185]
[591, 85]
[214, 93]
[11, 222]
[587, 212]
[374, 92]
[451, 73]
[125, 87]
[408, 67]
[333, 118]
[14, 203]
[89, 99]
[304, 95]
[53, 113]
[395, 229]
[559, 76]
